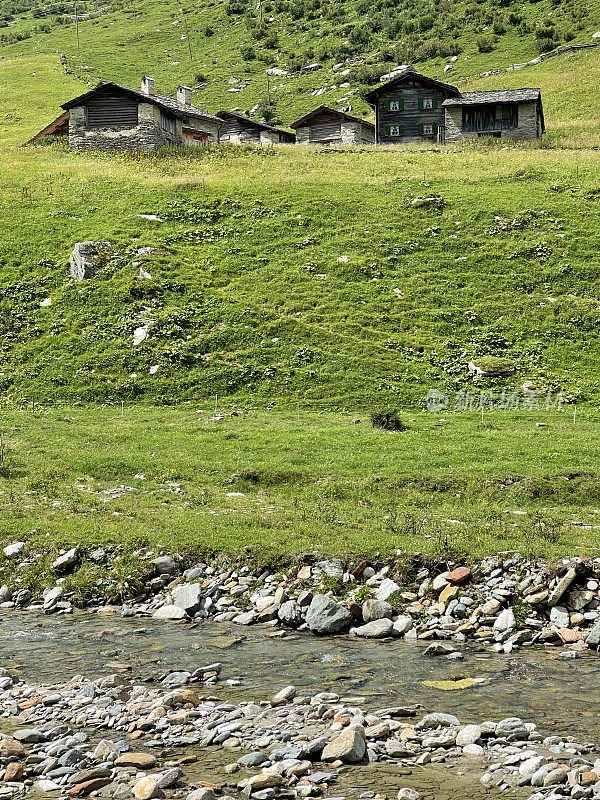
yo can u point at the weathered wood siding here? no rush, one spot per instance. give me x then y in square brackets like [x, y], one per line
[529, 125]
[408, 123]
[236, 131]
[325, 130]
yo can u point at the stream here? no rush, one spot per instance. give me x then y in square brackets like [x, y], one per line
[560, 695]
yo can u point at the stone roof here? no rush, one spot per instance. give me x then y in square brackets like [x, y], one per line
[494, 97]
[261, 125]
[396, 77]
[307, 118]
[168, 103]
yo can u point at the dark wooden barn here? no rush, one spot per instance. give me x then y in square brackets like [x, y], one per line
[238, 129]
[327, 125]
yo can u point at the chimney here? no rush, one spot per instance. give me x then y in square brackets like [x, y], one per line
[148, 86]
[184, 95]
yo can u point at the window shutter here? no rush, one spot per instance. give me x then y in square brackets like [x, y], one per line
[505, 112]
[387, 130]
[434, 127]
[421, 128]
[401, 130]
[401, 104]
[420, 102]
[435, 101]
[387, 105]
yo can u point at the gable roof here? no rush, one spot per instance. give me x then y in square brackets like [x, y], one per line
[307, 118]
[168, 103]
[58, 127]
[495, 96]
[407, 73]
[260, 125]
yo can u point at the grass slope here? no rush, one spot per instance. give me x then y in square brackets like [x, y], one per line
[121, 41]
[282, 274]
[277, 485]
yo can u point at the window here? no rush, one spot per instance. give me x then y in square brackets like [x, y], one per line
[394, 105]
[167, 123]
[427, 129]
[428, 103]
[394, 130]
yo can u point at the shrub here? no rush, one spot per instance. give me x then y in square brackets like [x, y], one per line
[485, 44]
[388, 419]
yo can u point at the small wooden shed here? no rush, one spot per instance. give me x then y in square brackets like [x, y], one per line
[326, 125]
[238, 129]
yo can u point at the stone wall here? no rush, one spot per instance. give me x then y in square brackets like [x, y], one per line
[269, 137]
[202, 126]
[529, 126]
[144, 137]
[356, 133]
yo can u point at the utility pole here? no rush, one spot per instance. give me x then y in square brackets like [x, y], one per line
[187, 36]
[77, 25]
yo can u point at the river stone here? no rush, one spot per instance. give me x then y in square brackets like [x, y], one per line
[88, 258]
[290, 613]
[251, 760]
[188, 597]
[52, 597]
[593, 637]
[170, 612]
[264, 780]
[333, 568]
[445, 738]
[561, 587]
[473, 749]
[29, 735]
[67, 562]
[505, 621]
[11, 747]
[402, 625]
[378, 629]
[408, 794]
[468, 735]
[325, 616]
[176, 679]
[45, 785]
[511, 728]
[283, 695]
[439, 649]
[387, 587]
[459, 575]
[350, 746]
[164, 565]
[437, 721]
[85, 788]
[558, 775]
[204, 793]
[491, 607]
[559, 616]
[530, 766]
[13, 772]
[168, 778]
[138, 760]
[145, 788]
[376, 609]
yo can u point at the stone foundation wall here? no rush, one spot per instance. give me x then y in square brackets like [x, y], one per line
[528, 128]
[144, 137]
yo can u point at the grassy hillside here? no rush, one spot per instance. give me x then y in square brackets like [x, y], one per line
[282, 274]
[223, 48]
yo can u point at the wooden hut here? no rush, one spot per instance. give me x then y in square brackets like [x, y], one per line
[327, 125]
[238, 129]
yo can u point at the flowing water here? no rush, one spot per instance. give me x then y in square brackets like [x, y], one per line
[560, 695]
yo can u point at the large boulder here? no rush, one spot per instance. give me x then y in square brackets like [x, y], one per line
[88, 258]
[350, 746]
[188, 597]
[325, 616]
[290, 614]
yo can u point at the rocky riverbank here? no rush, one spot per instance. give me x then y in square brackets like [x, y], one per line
[506, 603]
[115, 738]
